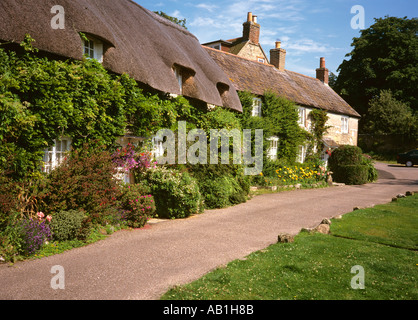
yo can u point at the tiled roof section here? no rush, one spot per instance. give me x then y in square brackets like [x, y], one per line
[256, 77]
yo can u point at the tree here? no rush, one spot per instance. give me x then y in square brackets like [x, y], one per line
[389, 116]
[180, 22]
[384, 57]
[332, 80]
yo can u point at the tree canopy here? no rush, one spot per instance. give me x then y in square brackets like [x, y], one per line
[384, 57]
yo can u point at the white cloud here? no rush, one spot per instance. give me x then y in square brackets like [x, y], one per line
[209, 7]
[302, 46]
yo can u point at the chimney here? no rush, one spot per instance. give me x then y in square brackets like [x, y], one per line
[251, 30]
[278, 56]
[322, 73]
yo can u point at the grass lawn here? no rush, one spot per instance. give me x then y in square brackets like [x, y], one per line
[383, 240]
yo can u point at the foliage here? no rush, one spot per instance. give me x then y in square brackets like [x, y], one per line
[136, 205]
[319, 128]
[67, 225]
[84, 182]
[42, 100]
[384, 56]
[386, 115]
[352, 174]
[176, 193]
[180, 22]
[279, 118]
[350, 166]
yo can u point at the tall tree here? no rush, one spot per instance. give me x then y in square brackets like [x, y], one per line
[384, 57]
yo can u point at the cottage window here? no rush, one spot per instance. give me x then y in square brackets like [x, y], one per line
[158, 148]
[344, 124]
[301, 154]
[302, 116]
[272, 151]
[261, 60]
[256, 112]
[93, 49]
[179, 77]
[54, 156]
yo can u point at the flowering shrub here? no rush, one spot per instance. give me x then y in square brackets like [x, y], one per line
[84, 182]
[125, 157]
[136, 205]
[300, 174]
[34, 233]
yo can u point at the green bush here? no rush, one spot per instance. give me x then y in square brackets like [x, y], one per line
[345, 155]
[352, 174]
[136, 205]
[350, 166]
[67, 225]
[176, 193]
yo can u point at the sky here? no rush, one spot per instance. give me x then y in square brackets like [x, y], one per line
[308, 29]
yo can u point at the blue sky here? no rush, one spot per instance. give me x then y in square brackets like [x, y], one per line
[308, 29]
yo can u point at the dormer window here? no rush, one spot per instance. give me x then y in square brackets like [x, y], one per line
[256, 112]
[93, 49]
[179, 77]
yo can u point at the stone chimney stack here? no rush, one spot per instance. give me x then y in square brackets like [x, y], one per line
[278, 56]
[322, 73]
[251, 30]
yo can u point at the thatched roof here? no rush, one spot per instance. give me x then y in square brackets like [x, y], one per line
[256, 77]
[137, 42]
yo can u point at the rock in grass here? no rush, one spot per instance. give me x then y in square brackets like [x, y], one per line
[322, 228]
[285, 238]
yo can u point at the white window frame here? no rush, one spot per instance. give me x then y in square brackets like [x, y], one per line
[301, 154]
[257, 104]
[93, 49]
[272, 151]
[261, 60]
[302, 116]
[179, 77]
[344, 124]
[157, 148]
[54, 155]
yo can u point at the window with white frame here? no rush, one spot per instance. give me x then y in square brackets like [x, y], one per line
[93, 49]
[157, 148]
[256, 112]
[272, 151]
[179, 77]
[54, 155]
[261, 60]
[302, 116]
[344, 124]
[301, 154]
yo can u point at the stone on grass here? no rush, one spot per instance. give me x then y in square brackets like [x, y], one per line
[322, 228]
[285, 238]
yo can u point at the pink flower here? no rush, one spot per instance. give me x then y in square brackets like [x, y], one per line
[40, 215]
[49, 218]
